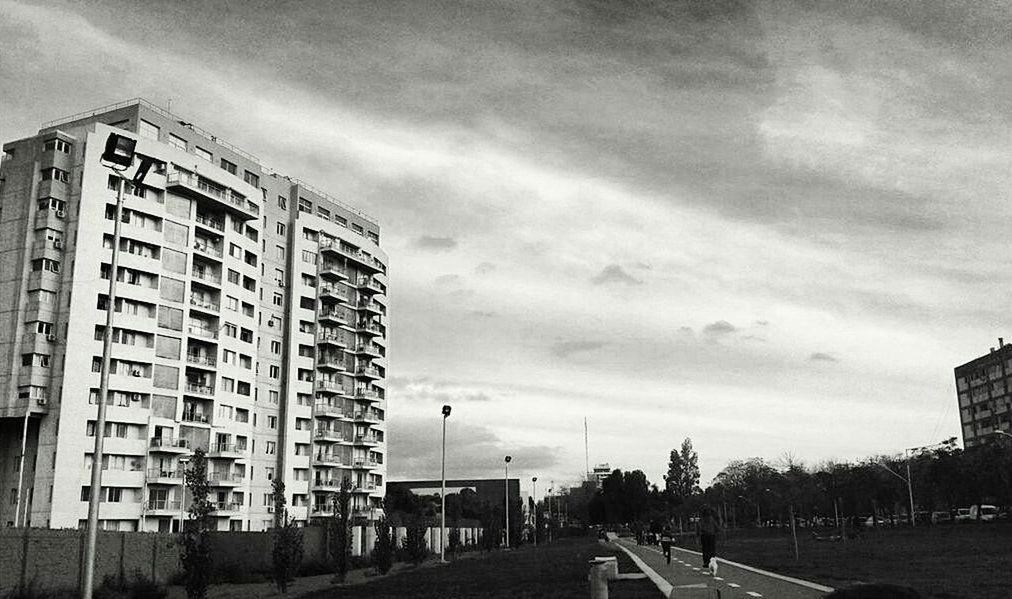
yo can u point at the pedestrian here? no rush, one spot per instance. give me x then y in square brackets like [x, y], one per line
[708, 527]
[666, 539]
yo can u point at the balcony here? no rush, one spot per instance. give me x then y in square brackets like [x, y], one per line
[204, 305]
[366, 440]
[226, 450]
[358, 256]
[368, 349]
[331, 362]
[198, 389]
[167, 445]
[365, 464]
[367, 372]
[208, 250]
[158, 476]
[333, 270]
[223, 508]
[364, 394]
[165, 506]
[369, 285]
[364, 488]
[206, 277]
[325, 386]
[224, 479]
[198, 188]
[322, 511]
[334, 339]
[367, 417]
[204, 332]
[325, 410]
[368, 328]
[369, 306]
[211, 223]
[201, 360]
[333, 292]
[334, 317]
[328, 436]
[326, 485]
[325, 460]
[195, 418]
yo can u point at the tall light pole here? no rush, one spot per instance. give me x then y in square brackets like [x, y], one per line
[118, 157]
[507, 460]
[442, 493]
[534, 493]
[183, 461]
[910, 487]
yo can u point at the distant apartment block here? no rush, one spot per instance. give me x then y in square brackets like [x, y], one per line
[984, 391]
[250, 321]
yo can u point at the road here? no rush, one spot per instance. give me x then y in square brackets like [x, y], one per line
[735, 581]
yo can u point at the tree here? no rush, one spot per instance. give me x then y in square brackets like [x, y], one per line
[414, 544]
[340, 527]
[286, 552]
[196, 537]
[383, 549]
[682, 480]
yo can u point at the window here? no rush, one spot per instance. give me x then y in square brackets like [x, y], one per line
[229, 166]
[55, 174]
[279, 252]
[275, 371]
[269, 472]
[241, 415]
[46, 264]
[246, 361]
[232, 303]
[272, 422]
[43, 328]
[177, 142]
[230, 329]
[275, 347]
[242, 388]
[250, 258]
[247, 309]
[168, 347]
[148, 130]
[228, 356]
[249, 283]
[166, 377]
[170, 318]
[227, 384]
[281, 229]
[202, 153]
[171, 289]
[225, 412]
[308, 280]
[305, 205]
[278, 299]
[323, 212]
[252, 233]
[251, 178]
[309, 234]
[246, 335]
[357, 228]
[307, 303]
[273, 397]
[238, 226]
[56, 145]
[176, 234]
[234, 250]
[308, 257]
[271, 448]
[233, 277]
[173, 261]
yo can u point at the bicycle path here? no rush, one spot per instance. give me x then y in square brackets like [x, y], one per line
[735, 581]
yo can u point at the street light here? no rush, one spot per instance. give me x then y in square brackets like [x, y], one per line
[118, 157]
[534, 493]
[508, 460]
[442, 493]
[910, 487]
[183, 461]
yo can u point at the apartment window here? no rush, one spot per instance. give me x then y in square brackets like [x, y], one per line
[242, 388]
[229, 166]
[271, 448]
[246, 335]
[227, 384]
[170, 318]
[228, 356]
[275, 346]
[250, 258]
[233, 277]
[55, 174]
[46, 264]
[278, 299]
[273, 397]
[56, 145]
[251, 178]
[247, 309]
[374, 236]
[234, 250]
[272, 422]
[232, 303]
[308, 280]
[279, 252]
[305, 205]
[274, 371]
[175, 233]
[323, 212]
[308, 303]
[202, 153]
[249, 283]
[230, 329]
[246, 361]
[309, 234]
[357, 228]
[43, 328]
[308, 257]
[165, 377]
[252, 234]
[281, 229]
[283, 202]
[238, 226]
[177, 142]
[341, 220]
[241, 415]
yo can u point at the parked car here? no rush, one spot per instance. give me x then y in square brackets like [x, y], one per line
[870, 521]
[941, 518]
[984, 513]
[922, 518]
[963, 516]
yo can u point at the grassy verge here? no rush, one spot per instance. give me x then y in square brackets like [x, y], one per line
[949, 562]
[556, 571]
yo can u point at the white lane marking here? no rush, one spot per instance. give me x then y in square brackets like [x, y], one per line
[662, 585]
[717, 578]
[753, 594]
[733, 585]
[695, 569]
[797, 581]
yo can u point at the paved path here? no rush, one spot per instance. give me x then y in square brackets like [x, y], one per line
[735, 581]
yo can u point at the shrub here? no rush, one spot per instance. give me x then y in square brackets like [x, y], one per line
[414, 544]
[138, 587]
[196, 538]
[383, 550]
[286, 552]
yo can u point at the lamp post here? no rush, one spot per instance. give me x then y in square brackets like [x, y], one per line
[534, 493]
[507, 480]
[183, 461]
[442, 493]
[118, 156]
[906, 479]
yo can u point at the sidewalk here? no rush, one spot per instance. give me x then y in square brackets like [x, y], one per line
[735, 581]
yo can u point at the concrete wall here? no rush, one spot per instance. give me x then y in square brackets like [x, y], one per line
[53, 558]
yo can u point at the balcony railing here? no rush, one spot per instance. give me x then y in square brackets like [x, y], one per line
[199, 388]
[207, 276]
[225, 506]
[327, 409]
[160, 473]
[363, 393]
[194, 417]
[218, 478]
[334, 268]
[368, 327]
[168, 443]
[337, 315]
[162, 504]
[205, 332]
[367, 372]
[196, 300]
[329, 435]
[333, 291]
[226, 448]
[203, 359]
[333, 484]
[211, 223]
[332, 338]
[331, 386]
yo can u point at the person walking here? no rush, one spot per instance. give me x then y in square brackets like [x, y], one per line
[666, 539]
[708, 527]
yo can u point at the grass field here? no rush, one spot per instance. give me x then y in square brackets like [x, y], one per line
[557, 571]
[952, 561]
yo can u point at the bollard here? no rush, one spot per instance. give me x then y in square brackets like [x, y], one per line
[611, 564]
[598, 579]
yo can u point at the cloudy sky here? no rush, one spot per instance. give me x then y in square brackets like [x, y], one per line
[771, 227]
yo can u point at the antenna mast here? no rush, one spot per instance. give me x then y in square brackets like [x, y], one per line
[586, 450]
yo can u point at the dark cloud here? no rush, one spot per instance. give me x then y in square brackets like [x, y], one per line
[613, 273]
[822, 357]
[435, 244]
[565, 349]
[719, 328]
[471, 451]
[484, 268]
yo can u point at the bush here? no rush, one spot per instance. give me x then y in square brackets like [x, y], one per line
[414, 544]
[383, 550]
[138, 587]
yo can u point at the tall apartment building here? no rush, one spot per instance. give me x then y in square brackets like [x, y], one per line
[250, 320]
[984, 390]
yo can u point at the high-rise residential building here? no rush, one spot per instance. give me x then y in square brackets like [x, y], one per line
[984, 391]
[250, 321]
